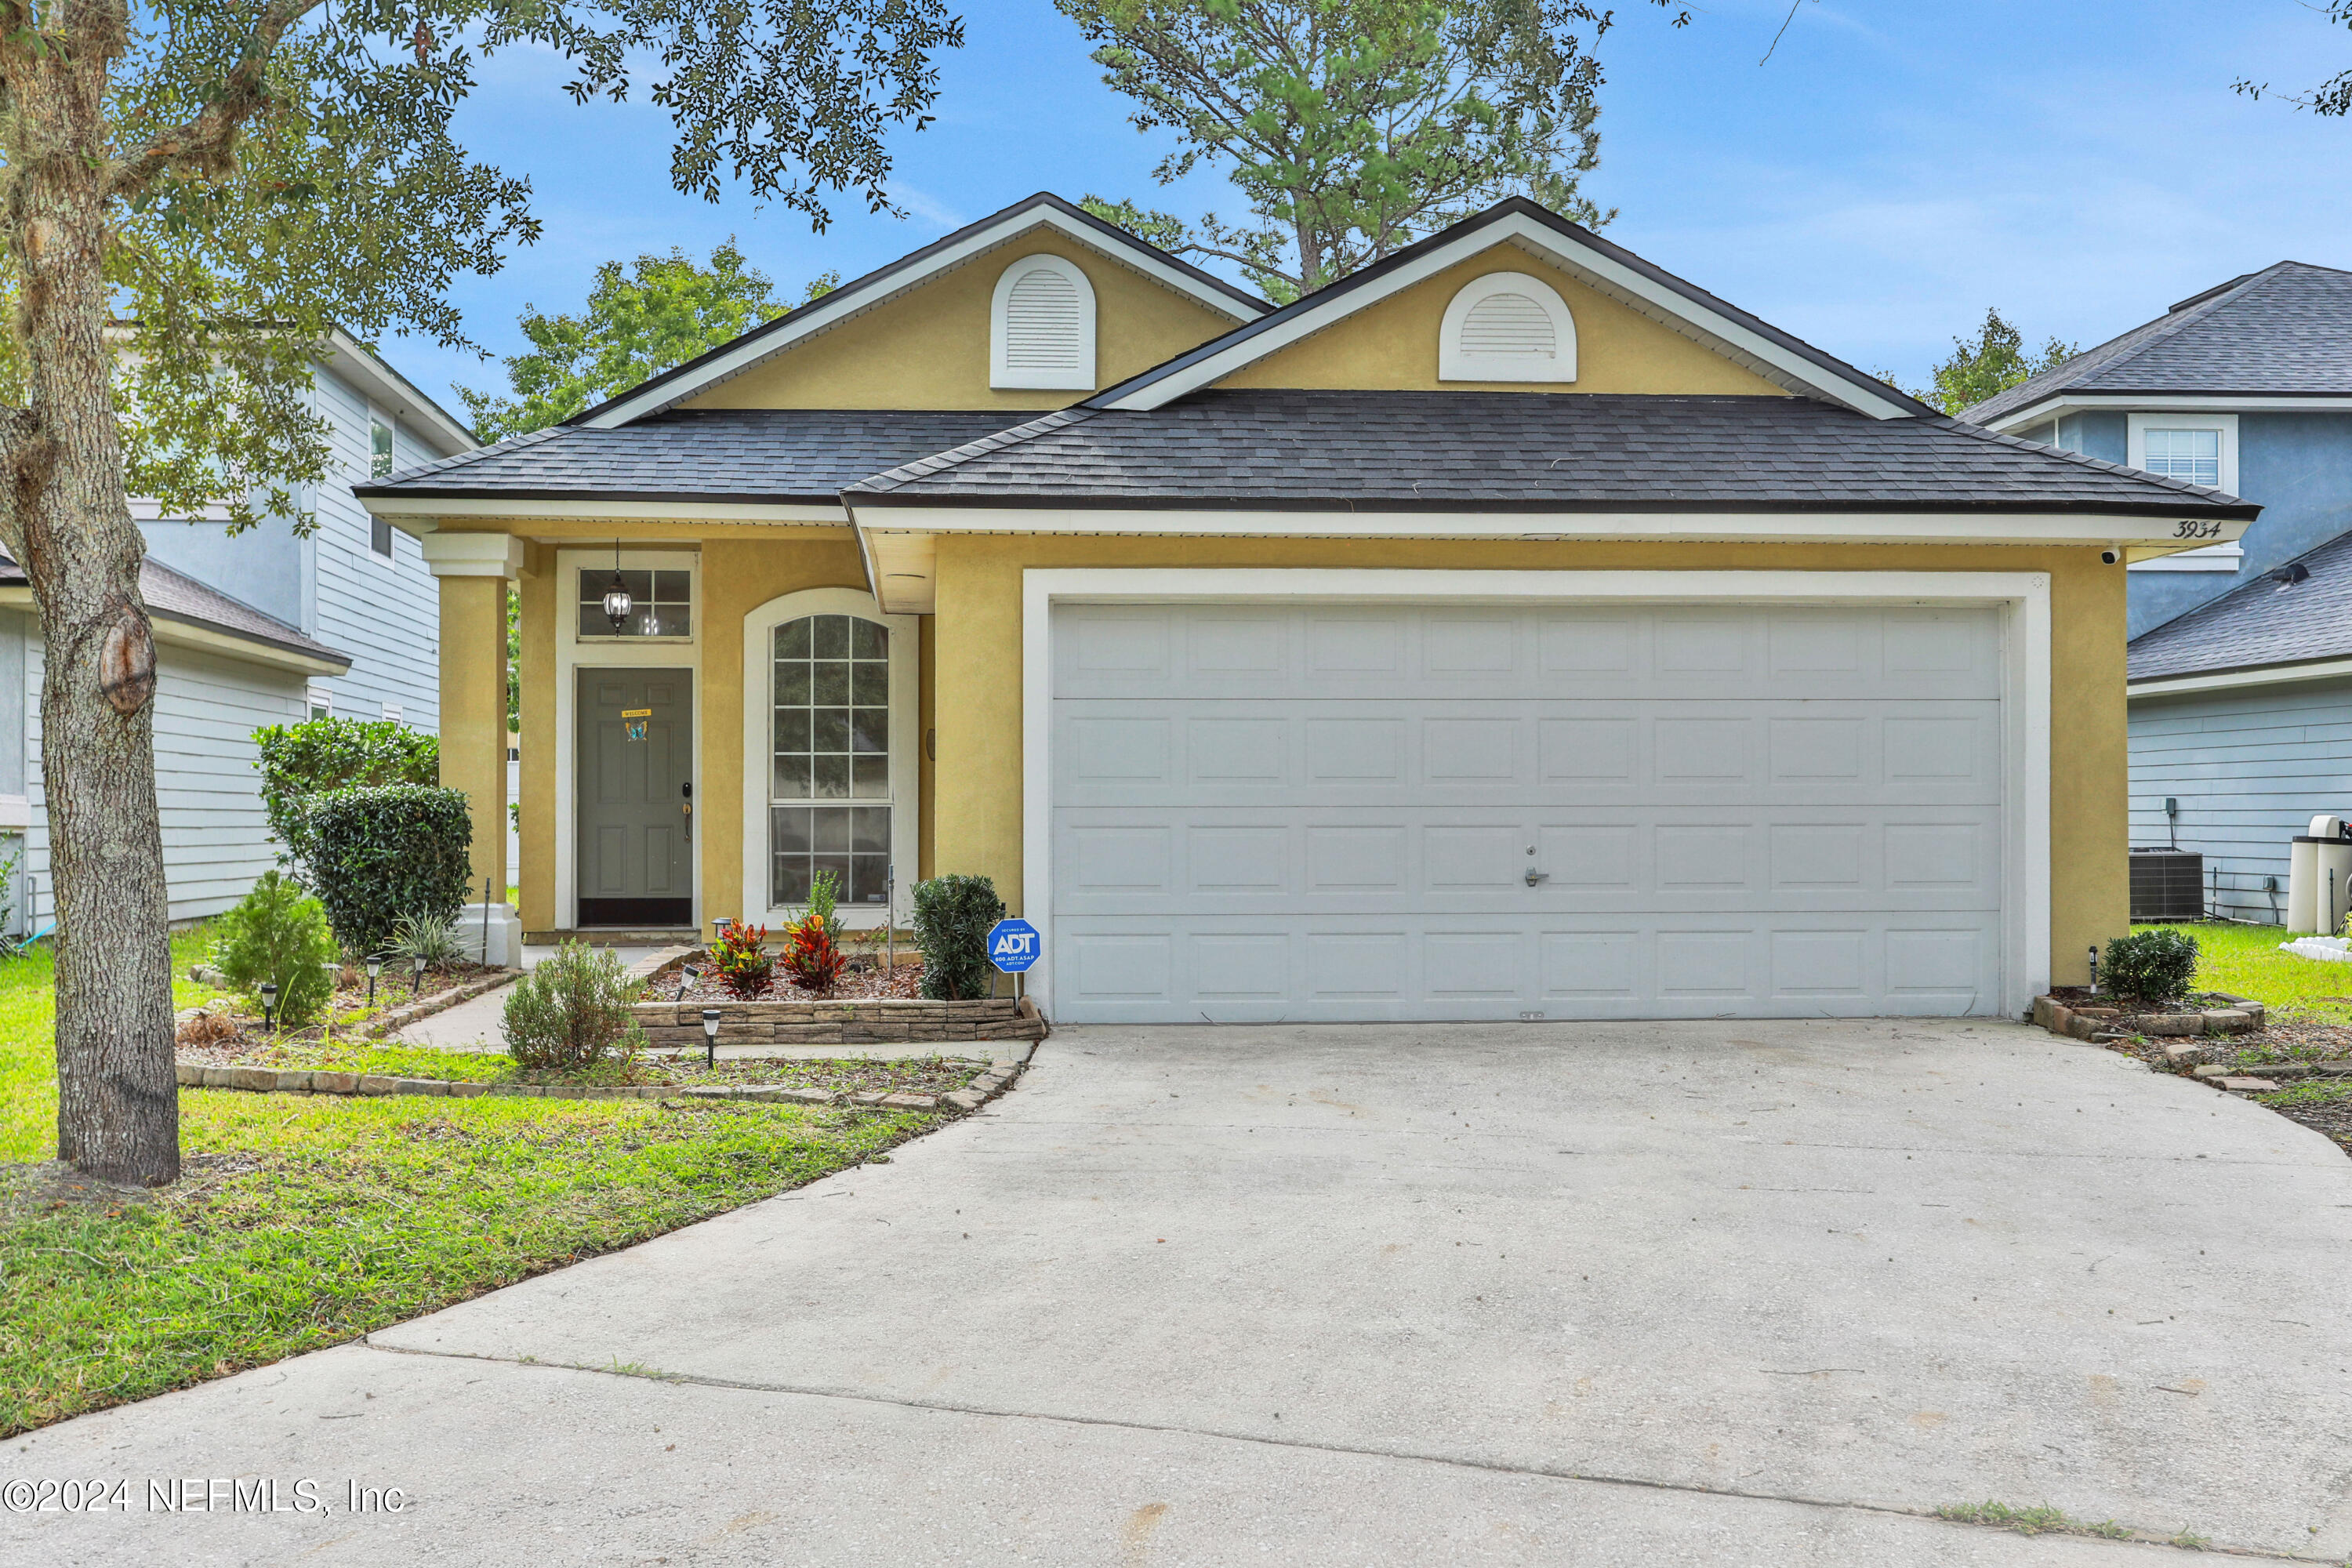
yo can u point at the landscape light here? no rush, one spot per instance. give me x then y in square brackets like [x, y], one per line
[711, 1037]
[375, 968]
[269, 1005]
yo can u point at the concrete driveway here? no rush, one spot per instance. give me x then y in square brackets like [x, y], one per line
[1752, 1293]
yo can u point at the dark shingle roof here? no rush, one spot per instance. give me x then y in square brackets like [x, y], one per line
[2258, 623]
[779, 455]
[175, 596]
[1500, 450]
[2285, 330]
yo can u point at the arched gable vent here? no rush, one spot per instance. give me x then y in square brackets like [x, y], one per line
[1507, 326]
[1041, 326]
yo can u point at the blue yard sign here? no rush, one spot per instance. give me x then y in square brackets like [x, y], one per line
[1013, 945]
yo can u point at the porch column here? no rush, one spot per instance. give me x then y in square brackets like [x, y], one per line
[473, 569]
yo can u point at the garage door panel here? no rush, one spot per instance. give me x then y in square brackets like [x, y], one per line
[1262, 813]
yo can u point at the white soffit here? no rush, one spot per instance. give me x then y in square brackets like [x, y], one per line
[1739, 344]
[847, 303]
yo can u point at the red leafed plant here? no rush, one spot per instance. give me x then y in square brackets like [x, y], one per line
[810, 956]
[743, 964]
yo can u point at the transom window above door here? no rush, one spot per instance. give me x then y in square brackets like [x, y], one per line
[661, 603]
[830, 741]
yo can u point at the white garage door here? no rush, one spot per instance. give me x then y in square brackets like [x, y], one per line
[1332, 812]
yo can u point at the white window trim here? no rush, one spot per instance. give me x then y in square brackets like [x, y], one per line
[999, 375]
[2139, 424]
[572, 655]
[2023, 596]
[1455, 363]
[905, 738]
[375, 417]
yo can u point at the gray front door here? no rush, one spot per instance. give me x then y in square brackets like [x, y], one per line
[635, 767]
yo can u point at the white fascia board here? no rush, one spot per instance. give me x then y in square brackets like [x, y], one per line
[819, 318]
[418, 515]
[2204, 558]
[2233, 679]
[394, 393]
[1934, 528]
[1613, 276]
[2122, 402]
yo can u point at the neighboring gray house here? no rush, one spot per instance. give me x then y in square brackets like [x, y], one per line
[2240, 659]
[262, 627]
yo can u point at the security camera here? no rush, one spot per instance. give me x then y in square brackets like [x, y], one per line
[2110, 557]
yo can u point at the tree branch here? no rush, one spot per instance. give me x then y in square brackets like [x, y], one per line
[202, 142]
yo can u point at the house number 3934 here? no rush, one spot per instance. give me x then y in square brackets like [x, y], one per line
[2191, 529]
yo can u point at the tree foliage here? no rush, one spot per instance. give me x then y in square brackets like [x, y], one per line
[2331, 98]
[194, 197]
[1351, 128]
[1989, 364]
[636, 324]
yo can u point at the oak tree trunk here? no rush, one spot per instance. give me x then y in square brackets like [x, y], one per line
[117, 1101]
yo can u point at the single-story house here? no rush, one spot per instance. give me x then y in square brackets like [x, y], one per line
[2239, 682]
[1512, 629]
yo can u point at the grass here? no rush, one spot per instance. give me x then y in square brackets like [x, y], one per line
[2042, 1521]
[2245, 961]
[306, 1221]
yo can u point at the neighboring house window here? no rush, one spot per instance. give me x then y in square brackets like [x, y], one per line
[661, 603]
[379, 467]
[392, 712]
[2197, 450]
[1507, 326]
[831, 742]
[1041, 326]
[2191, 454]
[322, 703]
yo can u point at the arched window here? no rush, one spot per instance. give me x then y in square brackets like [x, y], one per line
[1507, 326]
[830, 797]
[1041, 326]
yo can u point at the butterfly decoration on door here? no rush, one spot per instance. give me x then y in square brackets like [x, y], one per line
[633, 723]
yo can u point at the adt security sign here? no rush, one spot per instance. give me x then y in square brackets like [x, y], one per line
[1013, 946]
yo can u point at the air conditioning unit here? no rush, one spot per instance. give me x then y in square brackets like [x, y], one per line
[2167, 884]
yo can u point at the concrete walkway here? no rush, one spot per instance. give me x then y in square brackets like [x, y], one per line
[1628, 1294]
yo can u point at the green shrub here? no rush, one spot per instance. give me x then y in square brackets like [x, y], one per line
[572, 1011]
[436, 941]
[2153, 965]
[385, 852]
[278, 935]
[300, 762]
[952, 915]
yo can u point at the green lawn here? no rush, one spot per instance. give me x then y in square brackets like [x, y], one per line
[304, 1221]
[2245, 961]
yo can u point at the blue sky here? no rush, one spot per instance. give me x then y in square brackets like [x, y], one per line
[1894, 168]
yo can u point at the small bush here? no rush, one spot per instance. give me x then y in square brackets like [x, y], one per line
[572, 1011]
[810, 956]
[278, 936]
[743, 961]
[2153, 965]
[300, 762]
[390, 851]
[952, 915]
[436, 941]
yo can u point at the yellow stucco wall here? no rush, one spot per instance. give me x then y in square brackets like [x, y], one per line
[978, 804]
[928, 347]
[1392, 346]
[474, 716]
[535, 877]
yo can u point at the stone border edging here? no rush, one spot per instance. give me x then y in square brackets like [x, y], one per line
[399, 1018]
[308, 1081]
[2241, 1016]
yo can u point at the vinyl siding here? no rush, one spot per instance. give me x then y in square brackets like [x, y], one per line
[385, 614]
[2250, 768]
[215, 838]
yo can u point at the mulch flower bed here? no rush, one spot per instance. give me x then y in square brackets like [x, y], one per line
[2305, 1062]
[345, 1015]
[863, 981]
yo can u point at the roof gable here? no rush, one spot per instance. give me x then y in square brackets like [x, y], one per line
[1774, 357]
[1037, 216]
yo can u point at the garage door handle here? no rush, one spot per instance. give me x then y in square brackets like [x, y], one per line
[1535, 875]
